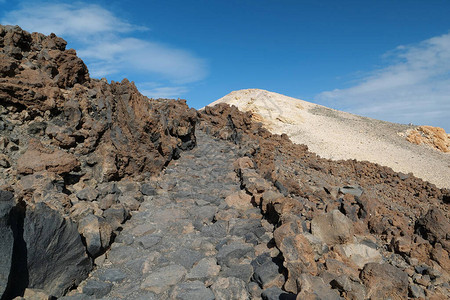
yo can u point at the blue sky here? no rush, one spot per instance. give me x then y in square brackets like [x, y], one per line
[385, 59]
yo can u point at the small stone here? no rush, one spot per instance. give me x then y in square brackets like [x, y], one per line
[239, 200]
[233, 252]
[192, 290]
[275, 293]
[205, 268]
[149, 240]
[88, 194]
[241, 271]
[229, 288]
[354, 190]
[148, 190]
[361, 254]
[161, 280]
[267, 272]
[96, 288]
[112, 275]
[35, 294]
[107, 201]
[416, 292]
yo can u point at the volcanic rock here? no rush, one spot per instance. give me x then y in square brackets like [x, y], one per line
[6, 238]
[56, 257]
[385, 281]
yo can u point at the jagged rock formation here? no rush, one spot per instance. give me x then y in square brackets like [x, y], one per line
[63, 134]
[157, 201]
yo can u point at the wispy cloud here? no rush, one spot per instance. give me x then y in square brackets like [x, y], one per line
[156, 90]
[107, 43]
[413, 87]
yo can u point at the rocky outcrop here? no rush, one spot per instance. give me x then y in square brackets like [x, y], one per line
[434, 137]
[66, 140]
[47, 95]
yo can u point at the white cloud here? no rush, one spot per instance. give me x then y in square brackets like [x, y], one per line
[155, 90]
[74, 20]
[106, 43]
[415, 87]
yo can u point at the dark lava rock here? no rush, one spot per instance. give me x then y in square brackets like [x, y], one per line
[56, 256]
[435, 227]
[6, 238]
[96, 288]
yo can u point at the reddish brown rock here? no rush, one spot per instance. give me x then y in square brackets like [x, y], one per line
[298, 254]
[384, 281]
[39, 158]
[434, 227]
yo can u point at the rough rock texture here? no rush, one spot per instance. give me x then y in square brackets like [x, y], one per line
[6, 238]
[56, 256]
[65, 140]
[244, 214]
[47, 88]
[360, 214]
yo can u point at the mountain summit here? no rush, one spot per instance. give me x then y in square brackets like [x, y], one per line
[339, 135]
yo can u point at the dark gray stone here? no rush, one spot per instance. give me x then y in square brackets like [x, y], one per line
[6, 238]
[116, 215]
[97, 289]
[112, 275]
[416, 291]
[265, 269]
[192, 290]
[233, 253]
[185, 257]
[148, 190]
[56, 256]
[216, 230]
[148, 241]
[87, 194]
[275, 293]
[242, 271]
[240, 227]
[354, 190]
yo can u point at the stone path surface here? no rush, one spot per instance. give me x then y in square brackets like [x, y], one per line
[186, 242]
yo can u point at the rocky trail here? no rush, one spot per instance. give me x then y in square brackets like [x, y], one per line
[186, 241]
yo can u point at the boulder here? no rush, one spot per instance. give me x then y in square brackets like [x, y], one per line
[434, 227]
[56, 257]
[97, 233]
[39, 158]
[333, 228]
[6, 238]
[384, 281]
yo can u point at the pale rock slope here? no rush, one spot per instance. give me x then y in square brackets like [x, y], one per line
[339, 135]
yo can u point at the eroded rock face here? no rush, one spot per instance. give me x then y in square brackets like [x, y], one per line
[86, 123]
[65, 140]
